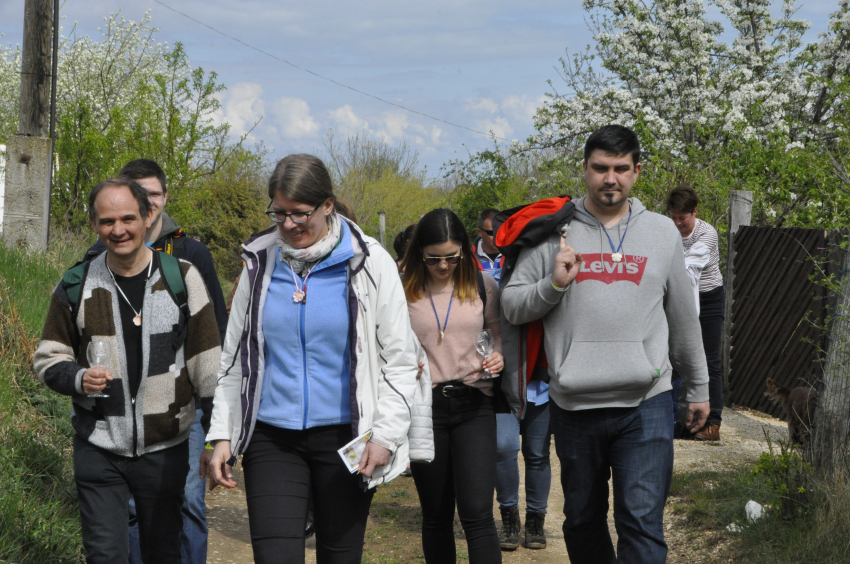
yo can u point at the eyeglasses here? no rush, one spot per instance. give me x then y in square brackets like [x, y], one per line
[296, 217]
[487, 231]
[434, 261]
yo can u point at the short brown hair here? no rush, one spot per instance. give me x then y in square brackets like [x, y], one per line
[682, 198]
[139, 193]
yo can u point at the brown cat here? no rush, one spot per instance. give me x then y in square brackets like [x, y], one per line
[799, 404]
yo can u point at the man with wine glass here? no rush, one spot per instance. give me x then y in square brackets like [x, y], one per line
[132, 414]
[166, 236]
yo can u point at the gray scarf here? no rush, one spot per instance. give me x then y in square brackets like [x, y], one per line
[302, 260]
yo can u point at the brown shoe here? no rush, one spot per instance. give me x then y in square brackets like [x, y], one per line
[710, 432]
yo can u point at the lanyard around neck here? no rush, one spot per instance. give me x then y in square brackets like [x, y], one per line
[623, 238]
[446, 322]
[300, 294]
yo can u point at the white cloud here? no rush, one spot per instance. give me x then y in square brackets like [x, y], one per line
[522, 108]
[293, 119]
[498, 126]
[483, 104]
[241, 106]
[395, 124]
[435, 134]
[345, 118]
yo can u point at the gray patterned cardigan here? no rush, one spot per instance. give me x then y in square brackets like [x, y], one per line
[180, 360]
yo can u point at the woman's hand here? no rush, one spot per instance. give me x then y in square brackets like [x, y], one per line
[222, 473]
[373, 456]
[494, 363]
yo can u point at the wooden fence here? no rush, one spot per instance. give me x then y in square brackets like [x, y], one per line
[778, 312]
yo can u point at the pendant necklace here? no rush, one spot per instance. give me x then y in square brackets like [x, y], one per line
[446, 322]
[617, 256]
[300, 294]
[137, 320]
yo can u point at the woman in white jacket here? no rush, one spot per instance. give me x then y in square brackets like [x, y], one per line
[302, 377]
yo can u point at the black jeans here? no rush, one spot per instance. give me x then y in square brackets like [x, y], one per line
[282, 467]
[105, 482]
[463, 470]
[711, 315]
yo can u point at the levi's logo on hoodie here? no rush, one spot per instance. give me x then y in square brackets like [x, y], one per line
[600, 267]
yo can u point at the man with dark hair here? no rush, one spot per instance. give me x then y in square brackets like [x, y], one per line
[618, 313]
[486, 251]
[166, 236]
[702, 259]
[133, 347]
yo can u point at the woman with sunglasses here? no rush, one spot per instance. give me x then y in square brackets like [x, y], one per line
[444, 290]
[318, 351]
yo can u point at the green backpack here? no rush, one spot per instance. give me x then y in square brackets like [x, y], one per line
[74, 277]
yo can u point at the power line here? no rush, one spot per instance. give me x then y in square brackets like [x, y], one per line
[332, 81]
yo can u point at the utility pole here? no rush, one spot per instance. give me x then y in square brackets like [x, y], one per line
[26, 216]
[740, 212]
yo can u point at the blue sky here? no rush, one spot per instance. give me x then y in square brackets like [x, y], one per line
[479, 63]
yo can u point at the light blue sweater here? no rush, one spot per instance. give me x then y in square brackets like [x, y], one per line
[306, 381]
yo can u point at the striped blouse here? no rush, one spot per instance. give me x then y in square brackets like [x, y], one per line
[705, 233]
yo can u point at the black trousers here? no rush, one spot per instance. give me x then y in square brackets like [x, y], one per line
[282, 467]
[711, 315]
[105, 482]
[463, 471]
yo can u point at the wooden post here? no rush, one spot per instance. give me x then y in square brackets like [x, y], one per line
[829, 438]
[740, 212]
[382, 228]
[35, 68]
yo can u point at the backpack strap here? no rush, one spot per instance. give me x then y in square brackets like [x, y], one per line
[482, 290]
[174, 280]
[73, 281]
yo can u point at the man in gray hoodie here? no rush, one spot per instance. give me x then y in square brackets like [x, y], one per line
[618, 314]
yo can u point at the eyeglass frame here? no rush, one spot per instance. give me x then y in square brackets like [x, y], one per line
[441, 259]
[273, 214]
[487, 231]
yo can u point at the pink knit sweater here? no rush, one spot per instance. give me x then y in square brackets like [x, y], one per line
[455, 357]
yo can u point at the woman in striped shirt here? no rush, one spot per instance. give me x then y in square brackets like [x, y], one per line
[702, 257]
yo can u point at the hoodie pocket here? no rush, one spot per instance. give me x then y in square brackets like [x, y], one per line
[605, 366]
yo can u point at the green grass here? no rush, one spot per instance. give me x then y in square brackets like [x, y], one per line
[797, 529]
[39, 520]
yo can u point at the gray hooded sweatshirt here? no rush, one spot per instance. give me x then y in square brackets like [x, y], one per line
[614, 335]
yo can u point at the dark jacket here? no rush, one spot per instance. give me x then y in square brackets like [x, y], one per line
[173, 241]
[516, 229]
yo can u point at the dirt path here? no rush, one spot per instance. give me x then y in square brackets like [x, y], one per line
[393, 531]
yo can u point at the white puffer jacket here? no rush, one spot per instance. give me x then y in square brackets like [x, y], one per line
[421, 423]
[383, 353]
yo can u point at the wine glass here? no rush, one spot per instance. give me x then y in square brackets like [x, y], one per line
[484, 345]
[98, 354]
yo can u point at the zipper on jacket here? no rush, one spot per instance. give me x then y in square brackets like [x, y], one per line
[302, 329]
[135, 429]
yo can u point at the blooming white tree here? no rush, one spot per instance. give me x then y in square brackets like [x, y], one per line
[760, 108]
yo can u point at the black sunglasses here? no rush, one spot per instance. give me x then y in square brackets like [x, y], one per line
[434, 261]
[487, 231]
